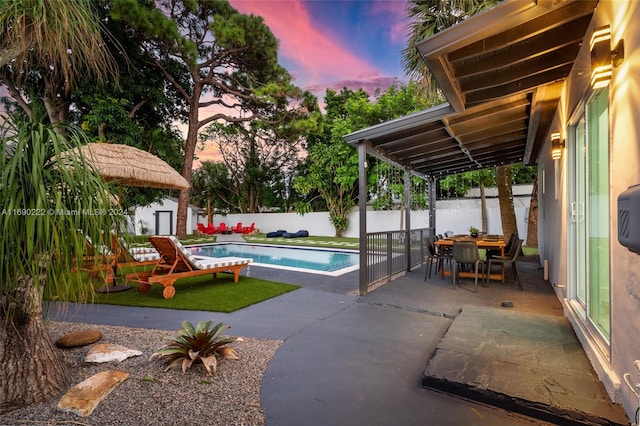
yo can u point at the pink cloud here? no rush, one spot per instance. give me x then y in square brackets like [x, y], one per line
[208, 152]
[395, 14]
[317, 55]
[369, 85]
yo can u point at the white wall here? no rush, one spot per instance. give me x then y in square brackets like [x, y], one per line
[317, 223]
[451, 215]
[459, 215]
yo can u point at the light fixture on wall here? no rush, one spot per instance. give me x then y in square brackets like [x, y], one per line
[556, 146]
[603, 59]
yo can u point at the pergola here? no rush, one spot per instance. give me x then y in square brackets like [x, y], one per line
[502, 72]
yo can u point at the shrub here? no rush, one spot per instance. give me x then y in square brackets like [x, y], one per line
[199, 344]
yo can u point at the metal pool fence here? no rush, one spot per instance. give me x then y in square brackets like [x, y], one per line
[389, 254]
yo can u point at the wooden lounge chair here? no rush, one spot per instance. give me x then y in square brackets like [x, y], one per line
[177, 262]
[121, 255]
[96, 257]
[136, 256]
[105, 259]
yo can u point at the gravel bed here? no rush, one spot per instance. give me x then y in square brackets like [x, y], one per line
[151, 396]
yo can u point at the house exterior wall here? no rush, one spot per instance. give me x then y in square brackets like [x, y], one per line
[616, 360]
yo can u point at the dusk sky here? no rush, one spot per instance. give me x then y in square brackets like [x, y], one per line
[333, 43]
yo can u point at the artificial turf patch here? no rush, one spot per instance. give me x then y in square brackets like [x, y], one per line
[202, 294]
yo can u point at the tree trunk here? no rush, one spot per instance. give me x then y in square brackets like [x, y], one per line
[209, 210]
[483, 208]
[532, 229]
[32, 368]
[189, 151]
[56, 103]
[8, 54]
[505, 196]
[252, 197]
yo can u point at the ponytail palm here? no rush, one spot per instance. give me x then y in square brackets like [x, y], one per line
[47, 209]
[60, 37]
[51, 42]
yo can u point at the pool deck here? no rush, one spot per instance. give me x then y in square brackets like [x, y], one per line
[377, 359]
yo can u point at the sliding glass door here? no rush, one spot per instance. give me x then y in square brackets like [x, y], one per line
[577, 228]
[598, 218]
[589, 225]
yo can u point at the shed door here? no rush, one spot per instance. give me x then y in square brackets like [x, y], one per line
[164, 222]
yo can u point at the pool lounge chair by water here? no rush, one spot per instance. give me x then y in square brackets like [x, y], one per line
[177, 262]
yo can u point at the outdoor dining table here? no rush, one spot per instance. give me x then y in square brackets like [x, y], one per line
[493, 242]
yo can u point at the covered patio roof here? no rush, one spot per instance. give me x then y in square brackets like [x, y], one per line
[502, 72]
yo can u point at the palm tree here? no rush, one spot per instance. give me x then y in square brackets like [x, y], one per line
[429, 17]
[45, 216]
[55, 40]
[46, 208]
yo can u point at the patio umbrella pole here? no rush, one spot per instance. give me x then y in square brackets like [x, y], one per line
[114, 287]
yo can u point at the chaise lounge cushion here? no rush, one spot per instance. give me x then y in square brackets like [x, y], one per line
[144, 254]
[176, 262]
[206, 262]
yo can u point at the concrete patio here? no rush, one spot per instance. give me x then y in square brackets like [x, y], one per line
[376, 359]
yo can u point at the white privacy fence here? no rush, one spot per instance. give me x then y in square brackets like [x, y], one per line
[451, 215]
[388, 249]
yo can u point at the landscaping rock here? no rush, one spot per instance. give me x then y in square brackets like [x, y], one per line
[109, 352]
[84, 397]
[78, 339]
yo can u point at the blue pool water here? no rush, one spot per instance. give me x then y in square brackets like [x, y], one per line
[312, 260]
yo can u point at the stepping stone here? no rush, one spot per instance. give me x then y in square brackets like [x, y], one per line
[107, 352]
[84, 397]
[78, 339]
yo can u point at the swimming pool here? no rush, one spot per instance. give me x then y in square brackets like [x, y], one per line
[317, 261]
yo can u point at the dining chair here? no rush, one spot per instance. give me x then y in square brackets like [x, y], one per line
[433, 257]
[466, 253]
[507, 248]
[512, 258]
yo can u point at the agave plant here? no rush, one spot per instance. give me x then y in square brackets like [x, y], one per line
[197, 344]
